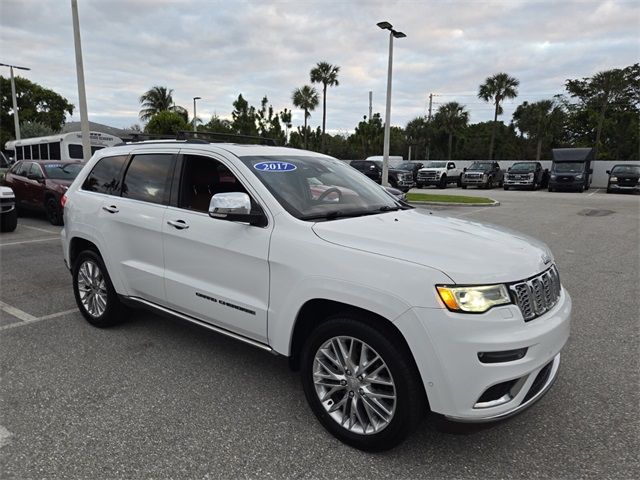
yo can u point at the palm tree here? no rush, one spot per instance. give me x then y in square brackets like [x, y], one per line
[159, 99]
[305, 98]
[327, 75]
[452, 117]
[542, 120]
[495, 89]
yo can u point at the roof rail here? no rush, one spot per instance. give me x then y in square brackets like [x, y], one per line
[222, 137]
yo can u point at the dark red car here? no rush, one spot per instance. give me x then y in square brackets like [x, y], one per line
[39, 185]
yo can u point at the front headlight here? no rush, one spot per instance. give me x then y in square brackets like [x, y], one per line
[476, 299]
[531, 175]
[613, 179]
[578, 177]
[553, 177]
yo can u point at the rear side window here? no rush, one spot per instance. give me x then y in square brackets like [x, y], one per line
[148, 178]
[54, 151]
[105, 176]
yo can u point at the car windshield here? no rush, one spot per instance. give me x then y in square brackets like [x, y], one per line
[400, 165]
[435, 165]
[480, 166]
[62, 171]
[633, 169]
[568, 167]
[523, 167]
[319, 188]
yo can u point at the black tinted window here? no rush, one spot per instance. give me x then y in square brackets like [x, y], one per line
[44, 154]
[19, 153]
[27, 152]
[54, 151]
[105, 176]
[148, 178]
[75, 151]
[35, 171]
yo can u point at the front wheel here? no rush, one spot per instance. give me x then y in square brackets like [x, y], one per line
[94, 293]
[443, 182]
[506, 187]
[464, 187]
[361, 383]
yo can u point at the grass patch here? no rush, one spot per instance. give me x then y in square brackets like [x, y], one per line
[425, 197]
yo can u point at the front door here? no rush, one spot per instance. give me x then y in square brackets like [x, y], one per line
[215, 270]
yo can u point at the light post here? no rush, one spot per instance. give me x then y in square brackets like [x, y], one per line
[82, 96]
[387, 118]
[16, 120]
[194, 112]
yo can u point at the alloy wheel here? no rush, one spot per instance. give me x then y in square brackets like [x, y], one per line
[92, 288]
[354, 385]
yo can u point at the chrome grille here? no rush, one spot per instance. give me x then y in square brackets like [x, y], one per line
[538, 294]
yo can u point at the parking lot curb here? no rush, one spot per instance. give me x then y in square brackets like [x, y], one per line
[455, 204]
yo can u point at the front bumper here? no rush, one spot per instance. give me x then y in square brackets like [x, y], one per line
[619, 188]
[518, 183]
[406, 183]
[445, 346]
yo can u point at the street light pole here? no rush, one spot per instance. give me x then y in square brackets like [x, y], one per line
[387, 122]
[194, 112]
[14, 99]
[84, 118]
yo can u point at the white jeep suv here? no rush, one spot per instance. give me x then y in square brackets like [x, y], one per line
[387, 310]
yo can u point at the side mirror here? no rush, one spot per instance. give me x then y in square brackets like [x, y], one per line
[373, 167]
[464, 169]
[235, 207]
[608, 172]
[591, 171]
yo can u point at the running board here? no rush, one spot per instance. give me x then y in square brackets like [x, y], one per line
[200, 323]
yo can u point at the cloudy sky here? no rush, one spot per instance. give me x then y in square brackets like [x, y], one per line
[218, 49]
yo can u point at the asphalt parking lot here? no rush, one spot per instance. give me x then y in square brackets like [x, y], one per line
[157, 398]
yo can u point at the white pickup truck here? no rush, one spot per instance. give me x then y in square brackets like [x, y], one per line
[438, 173]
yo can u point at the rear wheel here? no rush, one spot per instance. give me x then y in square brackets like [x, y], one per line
[94, 293]
[581, 189]
[54, 211]
[361, 384]
[9, 221]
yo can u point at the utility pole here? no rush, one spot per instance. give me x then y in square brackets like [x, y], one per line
[429, 125]
[370, 104]
[194, 113]
[84, 118]
[16, 120]
[430, 105]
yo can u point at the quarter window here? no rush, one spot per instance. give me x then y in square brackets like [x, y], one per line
[105, 176]
[148, 178]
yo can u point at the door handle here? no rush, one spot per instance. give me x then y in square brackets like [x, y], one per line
[179, 224]
[111, 209]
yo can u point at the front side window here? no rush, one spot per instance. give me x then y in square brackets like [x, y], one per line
[318, 188]
[148, 178]
[202, 178]
[35, 171]
[105, 176]
[75, 151]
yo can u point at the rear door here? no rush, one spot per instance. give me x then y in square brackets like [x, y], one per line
[215, 270]
[132, 224]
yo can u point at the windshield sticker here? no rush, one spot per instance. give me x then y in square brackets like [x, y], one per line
[275, 166]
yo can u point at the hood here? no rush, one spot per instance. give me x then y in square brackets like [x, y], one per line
[468, 252]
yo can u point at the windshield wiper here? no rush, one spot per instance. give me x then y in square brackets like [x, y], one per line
[358, 213]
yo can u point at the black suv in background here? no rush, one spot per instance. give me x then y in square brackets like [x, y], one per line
[400, 179]
[482, 175]
[624, 178]
[526, 174]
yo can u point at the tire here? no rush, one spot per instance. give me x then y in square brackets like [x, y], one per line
[609, 190]
[581, 189]
[9, 221]
[459, 182]
[464, 187]
[443, 182]
[550, 188]
[113, 311]
[409, 402]
[54, 211]
[489, 184]
[506, 187]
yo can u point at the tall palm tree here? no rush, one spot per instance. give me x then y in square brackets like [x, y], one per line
[495, 89]
[305, 98]
[452, 117]
[327, 75]
[159, 99]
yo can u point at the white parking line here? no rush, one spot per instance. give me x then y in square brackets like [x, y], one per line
[594, 192]
[39, 229]
[29, 241]
[16, 312]
[28, 319]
